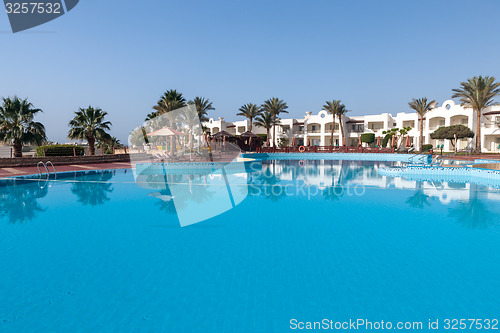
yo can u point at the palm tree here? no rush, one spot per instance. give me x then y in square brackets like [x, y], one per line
[151, 116]
[477, 93]
[332, 108]
[169, 101]
[422, 106]
[249, 111]
[88, 124]
[202, 107]
[109, 144]
[266, 120]
[275, 106]
[17, 126]
[340, 112]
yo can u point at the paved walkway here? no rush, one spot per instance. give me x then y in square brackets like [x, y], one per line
[20, 171]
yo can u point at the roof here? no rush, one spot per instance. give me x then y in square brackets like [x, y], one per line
[223, 134]
[491, 112]
[248, 134]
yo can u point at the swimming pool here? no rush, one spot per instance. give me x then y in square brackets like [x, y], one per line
[309, 240]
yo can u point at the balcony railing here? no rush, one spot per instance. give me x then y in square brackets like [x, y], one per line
[324, 149]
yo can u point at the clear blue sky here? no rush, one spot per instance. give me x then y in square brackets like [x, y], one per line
[122, 55]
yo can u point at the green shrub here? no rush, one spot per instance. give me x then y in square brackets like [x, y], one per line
[283, 142]
[263, 137]
[59, 150]
[386, 139]
[368, 138]
[426, 147]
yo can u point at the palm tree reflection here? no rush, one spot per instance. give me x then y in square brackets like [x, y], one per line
[473, 213]
[19, 202]
[93, 188]
[419, 199]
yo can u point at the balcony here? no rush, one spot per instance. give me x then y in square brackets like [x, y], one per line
[492, 125]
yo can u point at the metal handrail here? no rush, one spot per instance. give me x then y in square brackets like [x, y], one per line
[38, 167]
[419, 156]
[52, 164]
[53, 167]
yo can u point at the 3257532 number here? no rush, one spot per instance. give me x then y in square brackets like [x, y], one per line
[469, 324]
[33, 8]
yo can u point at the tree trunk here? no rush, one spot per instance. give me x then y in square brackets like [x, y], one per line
[274, 130]
[333, 127]
[18, 148]
[91, 142]
[421, 133]
[344, 143]
[267, 139]
[478, 132]
[250, 124]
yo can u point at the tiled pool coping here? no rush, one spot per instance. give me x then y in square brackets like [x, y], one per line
[437, 173]
[331, 156]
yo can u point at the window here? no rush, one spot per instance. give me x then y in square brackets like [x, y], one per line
[313, 127]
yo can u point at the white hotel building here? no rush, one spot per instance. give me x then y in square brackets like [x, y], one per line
[316, 128]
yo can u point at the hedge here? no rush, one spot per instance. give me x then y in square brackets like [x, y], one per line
[426, 147]
[368, 138]
[59, 150]
[386, 139]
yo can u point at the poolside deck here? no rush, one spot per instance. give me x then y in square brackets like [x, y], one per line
[22, 171]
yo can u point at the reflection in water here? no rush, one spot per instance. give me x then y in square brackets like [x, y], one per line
[197, 190]
[473, 213]
[194, 192]
[333, 180]
[19, 200]
[93, 188]
[419, 199]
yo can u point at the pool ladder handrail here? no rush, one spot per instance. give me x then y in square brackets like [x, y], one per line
[420, 157]
[45, 165]
[442, 158]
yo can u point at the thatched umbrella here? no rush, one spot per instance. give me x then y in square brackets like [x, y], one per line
[250, 136]
[223, 134]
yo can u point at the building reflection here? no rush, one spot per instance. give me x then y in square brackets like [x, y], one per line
[467, 202]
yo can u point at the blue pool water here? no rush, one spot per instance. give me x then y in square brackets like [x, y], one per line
[95, 252]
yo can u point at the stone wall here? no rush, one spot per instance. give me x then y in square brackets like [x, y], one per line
[65, 160]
